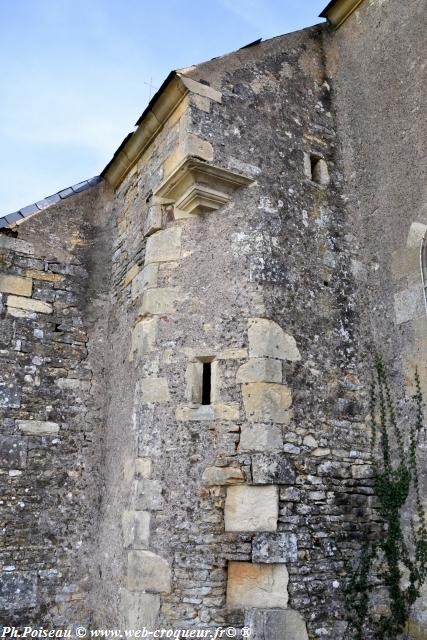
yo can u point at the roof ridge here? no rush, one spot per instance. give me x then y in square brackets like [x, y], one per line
[17, 216]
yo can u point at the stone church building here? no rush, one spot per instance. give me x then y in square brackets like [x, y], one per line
[186, 341]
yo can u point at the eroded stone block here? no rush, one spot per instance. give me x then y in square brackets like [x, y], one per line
[145, 279]
[276, 624]
[261, 437]
[18, 590]
[164, 246]
[160, 301]
[154, 390]
[139, 610]
[136, 529]
[274, 547]
[249, 508]
[222, 476]
[408, 304]
[257, 585]
[272, 469]
[268, 340]
[143, 337]
[265, 401]
[13, 452]
[148, 572]
[260, 370]
[10, 397]
[148, 495]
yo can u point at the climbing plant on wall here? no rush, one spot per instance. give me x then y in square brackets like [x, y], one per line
[393, 560]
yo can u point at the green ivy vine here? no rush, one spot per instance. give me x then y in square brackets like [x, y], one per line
[392, 559]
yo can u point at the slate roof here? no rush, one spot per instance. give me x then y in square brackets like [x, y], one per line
[29, 210]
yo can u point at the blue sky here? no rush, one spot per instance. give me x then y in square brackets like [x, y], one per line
[75, 74]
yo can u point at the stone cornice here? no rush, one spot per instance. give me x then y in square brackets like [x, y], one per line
[196, 187]
[161, 107]
[338, 11]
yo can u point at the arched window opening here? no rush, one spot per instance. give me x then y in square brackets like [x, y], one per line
[423, 261]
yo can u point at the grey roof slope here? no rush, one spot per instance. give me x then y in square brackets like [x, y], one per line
[29, 210]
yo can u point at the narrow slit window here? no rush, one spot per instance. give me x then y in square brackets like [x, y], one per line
[206, 383]
[317, 169]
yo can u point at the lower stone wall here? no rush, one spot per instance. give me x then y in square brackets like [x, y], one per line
[50, 412]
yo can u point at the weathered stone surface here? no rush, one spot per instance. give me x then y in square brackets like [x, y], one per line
[136, 529]
[272, 469]
[139, 610]
[408, 304]
[265, 401]
[261, 437]
[37, 427]
[159, 301]
[27, 304]
[145, 279]
[10, 397]
[143, 337]
[143, 467]
[15, 244]
[164, 246]
[268, 340]
[250, 508]
[131, 274]
[148, 495]
[257, 585]
[148, 572]
[274, 547]
[260, 370]
[44, 276]
[222, 476]
[13, 452]
[154, 220]
[18, 590]
[16, 285]
[276, 624]
[416, 233]
[154, 390]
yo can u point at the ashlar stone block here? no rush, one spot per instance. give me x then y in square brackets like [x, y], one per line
[268, 340]
[260, 370]
[27, 304]
[257, 585]
[148, 495]
[164, 246]
[249, 508]
[267, 401]
[154, 220]
[148, 572]
[16, 285]
[37, 427]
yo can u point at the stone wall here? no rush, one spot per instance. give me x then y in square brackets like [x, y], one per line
[381, 125]
[54, 281]
[242, 509]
